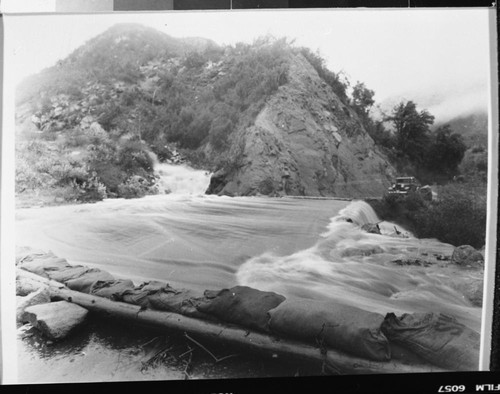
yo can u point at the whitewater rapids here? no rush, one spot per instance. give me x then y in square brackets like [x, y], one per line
[295, 247]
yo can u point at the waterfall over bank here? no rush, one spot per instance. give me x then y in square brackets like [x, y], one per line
[181, 179]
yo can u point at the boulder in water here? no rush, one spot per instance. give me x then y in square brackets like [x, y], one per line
[364, 250]
[217, 182]
[40, 296]
[372, 228]
[467, 256]
[57, 319]
[414, 262]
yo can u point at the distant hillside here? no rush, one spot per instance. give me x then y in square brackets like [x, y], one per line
[116, 54]
[267, 118]
[473, 128]
[464, 108]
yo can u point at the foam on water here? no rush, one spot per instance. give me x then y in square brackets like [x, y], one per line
[181, 179]
[354, 267]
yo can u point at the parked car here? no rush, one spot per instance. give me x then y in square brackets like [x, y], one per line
[404, 185]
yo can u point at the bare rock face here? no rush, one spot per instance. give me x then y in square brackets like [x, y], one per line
[467, 256]
[305, 141]
[56, 319]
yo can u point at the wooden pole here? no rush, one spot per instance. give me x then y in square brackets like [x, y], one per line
[236, 336]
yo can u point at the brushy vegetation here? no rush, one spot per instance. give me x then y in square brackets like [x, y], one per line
[132, 92]
[331, 78]
[40, 167]
[411, 145]
[102, 168]
[457, 216]
[440, 157]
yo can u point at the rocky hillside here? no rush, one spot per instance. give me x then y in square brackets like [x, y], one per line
[266, 118]
[305, 141]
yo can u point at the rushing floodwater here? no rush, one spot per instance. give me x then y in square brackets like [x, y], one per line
[295, 247]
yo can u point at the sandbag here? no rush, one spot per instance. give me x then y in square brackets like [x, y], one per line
[140, 295]
[404, 355]
[437, 338]
[180, 301]
[44, 265]
[65, 274]
[154, 286]
[162, 297]
[111, 289]
[240, 305]
[25, 254]
[85, 282]
[338, 326]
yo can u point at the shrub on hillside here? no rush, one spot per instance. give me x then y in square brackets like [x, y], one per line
[91, 190]
[27, 177]
[458, 217]
[110, 174]
[219, 133]
[194, 59]
[76, 138]
[135, 187]
[400, 209]
[475, 164]
[328, 76]
[134, 158]
[110, 112]
[42, 169]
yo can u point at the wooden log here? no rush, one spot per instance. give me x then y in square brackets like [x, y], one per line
[232, 335]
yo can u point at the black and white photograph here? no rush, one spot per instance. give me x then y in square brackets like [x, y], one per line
[247, 194]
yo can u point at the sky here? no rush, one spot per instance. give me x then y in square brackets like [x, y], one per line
[437, 57]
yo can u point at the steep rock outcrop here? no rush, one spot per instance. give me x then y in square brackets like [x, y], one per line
[467, 256]
[305, 141]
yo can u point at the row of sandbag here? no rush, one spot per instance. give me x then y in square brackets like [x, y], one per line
[433, 337]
